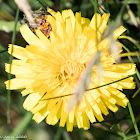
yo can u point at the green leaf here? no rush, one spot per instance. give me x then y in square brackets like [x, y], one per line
[8, 26]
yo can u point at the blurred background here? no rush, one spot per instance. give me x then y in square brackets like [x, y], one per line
[115, 126]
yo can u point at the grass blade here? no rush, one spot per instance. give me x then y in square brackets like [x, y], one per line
[92, 88]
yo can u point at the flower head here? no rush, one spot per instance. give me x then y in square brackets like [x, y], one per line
[51, 67]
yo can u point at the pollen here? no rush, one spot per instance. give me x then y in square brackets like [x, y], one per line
[71, 71]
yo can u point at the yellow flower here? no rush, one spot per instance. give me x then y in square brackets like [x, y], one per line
[51, 67]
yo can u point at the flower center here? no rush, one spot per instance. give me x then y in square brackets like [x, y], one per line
[71, 71]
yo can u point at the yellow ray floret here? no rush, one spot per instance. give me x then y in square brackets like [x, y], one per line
[50, 67]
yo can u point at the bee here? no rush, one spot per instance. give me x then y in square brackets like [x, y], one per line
[42, 24]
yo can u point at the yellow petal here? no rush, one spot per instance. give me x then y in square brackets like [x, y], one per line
[64, 116]
[69, 14]
[102, 106]
[17, 69]
[43, 38]
[30, 37]
[40, 105]
[69, 29]
[26, 91]
[97, 112]
[104, 21]
[70, 121]
[39, 116]
[96, 19]
[31, 101]
[85, 22]
[18, 83]
[53, 113]
[52, 22]
[20, 52]
[119, 31]
[111, 106]
[86, 123]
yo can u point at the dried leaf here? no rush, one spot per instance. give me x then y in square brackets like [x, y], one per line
[114, 49]
[25, 7]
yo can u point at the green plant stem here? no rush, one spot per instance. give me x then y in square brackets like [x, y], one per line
[9, 74]
[136, 43]
[133, 119]
[3, 51]
[22, 125]
[131, 126]
[43, 6]
[138, 7]
[131, 137]
[138, 56]
[122, 133]
[92, 88]
[136, 93]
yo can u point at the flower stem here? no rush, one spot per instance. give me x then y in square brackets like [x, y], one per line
[133, 119]
[138, 91]
[22, 125]
[131, 137]
[131, 126]
[122, 133]
[10, 61]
